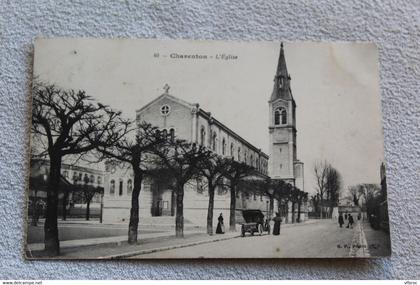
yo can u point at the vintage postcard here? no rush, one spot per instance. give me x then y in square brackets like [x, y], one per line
[152, 149]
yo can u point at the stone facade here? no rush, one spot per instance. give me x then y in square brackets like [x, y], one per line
[189, 122]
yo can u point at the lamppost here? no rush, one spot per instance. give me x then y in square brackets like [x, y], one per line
[102, 206]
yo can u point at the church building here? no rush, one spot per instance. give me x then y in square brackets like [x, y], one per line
[189, 122]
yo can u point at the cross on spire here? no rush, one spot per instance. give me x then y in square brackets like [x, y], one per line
[166, 88]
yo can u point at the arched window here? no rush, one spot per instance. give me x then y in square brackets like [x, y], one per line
[223, 146]
[280, 116]
[245, 157]
[165, 133]
[202, 136]
[120, 189]
[172, 134]
[92, 178]
[86, 179]
[75, 177]
[214, 141]
[251, 160]
[112, 187]
[231, 150]
[239, 154]
[129, 186]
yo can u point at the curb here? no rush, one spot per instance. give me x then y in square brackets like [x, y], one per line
[152, 250]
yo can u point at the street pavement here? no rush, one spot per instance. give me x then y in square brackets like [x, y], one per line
[314, 238]
[322, 238]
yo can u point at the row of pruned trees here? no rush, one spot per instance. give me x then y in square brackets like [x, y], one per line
[70, 123]
[328, 187]
[284, 193]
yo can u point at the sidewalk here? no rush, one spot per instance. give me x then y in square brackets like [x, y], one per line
[117, 247]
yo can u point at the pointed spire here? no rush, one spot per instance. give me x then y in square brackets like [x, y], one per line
[281, 79]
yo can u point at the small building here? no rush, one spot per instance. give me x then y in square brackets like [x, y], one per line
[73, 179]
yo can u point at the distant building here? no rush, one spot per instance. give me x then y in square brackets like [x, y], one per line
[73, 177]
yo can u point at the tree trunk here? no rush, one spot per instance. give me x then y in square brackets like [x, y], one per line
[210, 209]
[51, 242]
[135, 207]
[322, 207]
[299, 210]
[232, 218]
[179, 218]
[88, 209]
[293, 212]
[64, 204]
[271, 205]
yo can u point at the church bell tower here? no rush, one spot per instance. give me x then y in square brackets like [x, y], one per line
[283, 162]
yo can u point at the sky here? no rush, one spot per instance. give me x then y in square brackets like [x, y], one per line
[335, 86]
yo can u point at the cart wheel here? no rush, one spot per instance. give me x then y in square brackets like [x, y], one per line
[260, 229]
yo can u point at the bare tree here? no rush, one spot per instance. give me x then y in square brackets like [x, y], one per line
[321, 170]
[137, 152]
[333, 187]
[354, 194]
[212, 169]
[315, 203]
[182, 161]
[302, 198]
[68, 122]
[234, 172]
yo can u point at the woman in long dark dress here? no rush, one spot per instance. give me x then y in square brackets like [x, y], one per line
[277, 223]
[220, 226]
[351, 221]
[340, 220]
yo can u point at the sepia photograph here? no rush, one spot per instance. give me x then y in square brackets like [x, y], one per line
[182, 149]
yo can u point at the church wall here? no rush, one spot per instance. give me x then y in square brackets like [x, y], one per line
[116, 207]
[196, 205]
[179, 118]
[247, 154]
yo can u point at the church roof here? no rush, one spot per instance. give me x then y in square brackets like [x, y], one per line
[281, 89]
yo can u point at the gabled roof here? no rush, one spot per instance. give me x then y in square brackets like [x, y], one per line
[166, 95]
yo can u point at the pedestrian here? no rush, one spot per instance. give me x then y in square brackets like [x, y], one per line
[277, 224]
[220, 226]
[340, 220]
[351, 221]
[345, 216]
